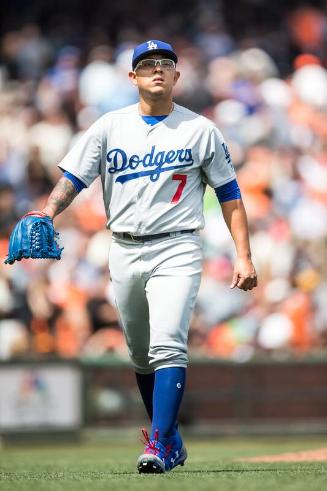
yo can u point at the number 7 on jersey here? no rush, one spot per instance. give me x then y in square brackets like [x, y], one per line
[182, 178]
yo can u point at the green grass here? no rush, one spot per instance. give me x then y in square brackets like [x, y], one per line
[211, 465]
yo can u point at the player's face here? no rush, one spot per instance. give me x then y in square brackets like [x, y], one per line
[158, 80]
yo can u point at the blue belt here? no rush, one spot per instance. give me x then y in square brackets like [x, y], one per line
[145, 238]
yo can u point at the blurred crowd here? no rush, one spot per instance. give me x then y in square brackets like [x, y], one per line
[265, 88]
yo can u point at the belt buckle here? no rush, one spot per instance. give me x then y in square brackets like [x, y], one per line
[132, 237]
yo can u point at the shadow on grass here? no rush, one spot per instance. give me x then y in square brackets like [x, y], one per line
[202, 471]
[183, 473]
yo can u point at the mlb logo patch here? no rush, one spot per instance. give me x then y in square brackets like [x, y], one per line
[152, 45]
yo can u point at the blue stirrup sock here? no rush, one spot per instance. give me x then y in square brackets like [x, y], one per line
[146, 385]
[168, 392]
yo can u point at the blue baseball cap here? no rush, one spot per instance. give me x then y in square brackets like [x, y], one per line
[151, 47]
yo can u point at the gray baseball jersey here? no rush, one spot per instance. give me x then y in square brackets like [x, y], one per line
[153, 177]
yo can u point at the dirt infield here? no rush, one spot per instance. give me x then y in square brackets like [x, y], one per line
[318, 455]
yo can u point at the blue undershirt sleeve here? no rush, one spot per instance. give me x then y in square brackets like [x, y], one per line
[228, 191]
[79, 185]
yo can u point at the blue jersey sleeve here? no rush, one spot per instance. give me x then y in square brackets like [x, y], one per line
[228, 192]
[79, 185]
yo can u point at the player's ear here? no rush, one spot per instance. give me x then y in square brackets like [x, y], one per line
[176, 76]
[132, 77]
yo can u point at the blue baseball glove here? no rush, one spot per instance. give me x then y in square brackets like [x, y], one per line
[33, 236]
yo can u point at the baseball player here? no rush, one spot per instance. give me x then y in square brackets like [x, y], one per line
[155, 159]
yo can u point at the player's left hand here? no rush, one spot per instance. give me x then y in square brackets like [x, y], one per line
[33, 237]
[244, 276]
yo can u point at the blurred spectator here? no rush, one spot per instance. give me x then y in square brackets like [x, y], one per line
[13, 339]
[308, 30]
[101, 84]
[8, 214]
[27, 53]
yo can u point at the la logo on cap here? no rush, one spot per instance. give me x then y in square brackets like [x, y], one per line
[152, 45]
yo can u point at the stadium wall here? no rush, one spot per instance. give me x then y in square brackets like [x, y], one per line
[221, 397]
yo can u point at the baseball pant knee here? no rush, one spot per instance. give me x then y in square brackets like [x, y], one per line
[140, 361]
[167, 355]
